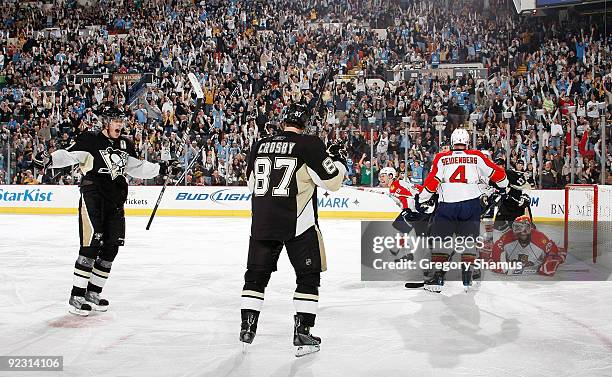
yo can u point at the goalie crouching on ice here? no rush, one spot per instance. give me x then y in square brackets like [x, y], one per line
[523, 243]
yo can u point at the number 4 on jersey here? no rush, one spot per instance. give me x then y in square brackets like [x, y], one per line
[458, 175]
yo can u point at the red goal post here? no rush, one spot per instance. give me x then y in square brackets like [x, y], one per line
[588, 217]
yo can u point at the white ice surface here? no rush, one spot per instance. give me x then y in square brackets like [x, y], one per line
[175, 297]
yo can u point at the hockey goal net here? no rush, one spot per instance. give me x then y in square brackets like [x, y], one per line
[588, 220]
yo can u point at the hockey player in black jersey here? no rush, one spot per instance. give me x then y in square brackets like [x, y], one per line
[104, 158]
[515, 202]
[283, 173]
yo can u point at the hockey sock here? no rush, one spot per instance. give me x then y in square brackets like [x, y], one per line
[439, 257]
[468, 258]
[306, 302]
[252, 297]
[82, 273]
[99, 275]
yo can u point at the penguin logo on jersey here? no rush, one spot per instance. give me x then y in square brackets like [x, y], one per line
[115, 160]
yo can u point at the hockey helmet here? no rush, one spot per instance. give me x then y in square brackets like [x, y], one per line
[297, 115]
[522, 225]
[390, 172]
[108, 112]
[460, 136]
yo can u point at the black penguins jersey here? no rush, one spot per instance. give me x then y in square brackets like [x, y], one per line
[283, 172]
[105, 162]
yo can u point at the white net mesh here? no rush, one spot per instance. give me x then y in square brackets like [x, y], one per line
[582, 221]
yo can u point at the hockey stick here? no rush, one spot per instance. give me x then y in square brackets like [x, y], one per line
[377, 192]
[161, 193]
[320, 94]
[531, 215]
[199, 94]
[493, 203]
[61, 173]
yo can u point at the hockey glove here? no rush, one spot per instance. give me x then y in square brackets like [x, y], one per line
[337, 152]
[410, 216]
[42, 160]
[425, 207]
[524, 201]
[484, 201]
[163, 168]
[550, 265]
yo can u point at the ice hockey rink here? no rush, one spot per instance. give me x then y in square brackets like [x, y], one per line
[175, 300]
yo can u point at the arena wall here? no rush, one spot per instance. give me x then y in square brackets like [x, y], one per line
[347, 203]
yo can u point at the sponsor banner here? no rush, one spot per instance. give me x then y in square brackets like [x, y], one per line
[88, 78]
[476, 73]
[235, 201]
[131, 78]
[13, 196]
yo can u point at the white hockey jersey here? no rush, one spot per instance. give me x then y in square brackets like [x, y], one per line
[456, 175]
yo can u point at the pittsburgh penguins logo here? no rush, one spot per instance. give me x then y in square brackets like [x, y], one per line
[115, 160]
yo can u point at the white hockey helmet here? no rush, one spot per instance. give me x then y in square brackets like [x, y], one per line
[388, 171]
[460, 136]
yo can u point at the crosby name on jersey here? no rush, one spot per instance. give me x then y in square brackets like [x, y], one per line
[283, 172]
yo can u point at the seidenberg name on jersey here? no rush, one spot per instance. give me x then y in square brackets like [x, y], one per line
[459, 160]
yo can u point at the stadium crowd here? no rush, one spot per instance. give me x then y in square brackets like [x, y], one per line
[252, 58]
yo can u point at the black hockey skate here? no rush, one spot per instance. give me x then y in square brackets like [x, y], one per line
[435, 282]
[248, 328]
[98, 304]
[79, 306]
[305, 342]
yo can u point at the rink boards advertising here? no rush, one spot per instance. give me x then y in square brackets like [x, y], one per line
[348, 203]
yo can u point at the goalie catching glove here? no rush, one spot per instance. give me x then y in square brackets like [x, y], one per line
[337, 152]
[42, 160]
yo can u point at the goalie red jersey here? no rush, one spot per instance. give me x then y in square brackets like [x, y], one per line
[536, 252]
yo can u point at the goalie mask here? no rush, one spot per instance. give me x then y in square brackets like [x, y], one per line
[521, 227]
